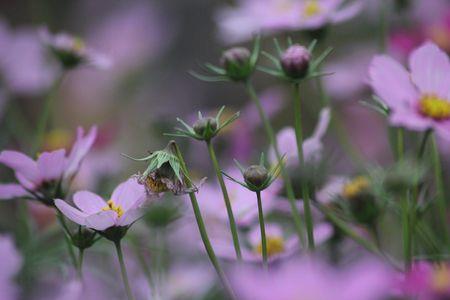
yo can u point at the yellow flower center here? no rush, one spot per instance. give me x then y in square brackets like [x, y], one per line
[441, 279]
[275, 245]
[312, 8]
[57, 139]
[78, 44]
[112, 206]
[355, 187]
[434, 107]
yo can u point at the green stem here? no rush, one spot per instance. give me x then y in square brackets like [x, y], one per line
[123, 270]
[400, 144]
[442, 206]
[80, 262]
[304, 184]
[263, 230]
[67, 235]
[383, 26]
[202, 229]
[45, 115]
[423, 144]
[226, 199]
[284, 174]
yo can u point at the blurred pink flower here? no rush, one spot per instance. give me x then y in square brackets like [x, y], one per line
[123, 209]
[427, 281]
[10, 265]
[254, 16]
[309, 278]
[419, 99]
[312, 146]
[24, 66]
[41, 177]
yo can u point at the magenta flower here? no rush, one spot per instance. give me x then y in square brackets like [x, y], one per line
[427, 281]
[122, 210]
[254, 16]
[419, 99]
[42, 178]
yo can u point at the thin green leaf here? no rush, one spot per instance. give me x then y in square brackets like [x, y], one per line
[255, 52]
[208, 78]
[240, 167]
[272, 72]
[234, 180]
[272, 58]
[215, 69]
[277, 47]
[312, 46]
[136, 159]
[219, 114]
[229, 121]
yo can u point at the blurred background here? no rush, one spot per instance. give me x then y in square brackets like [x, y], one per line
[153, 45]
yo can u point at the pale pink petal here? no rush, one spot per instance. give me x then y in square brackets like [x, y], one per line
[443, 130]
[22, 164]
[88, 202]
[12, 190]
[51, 165]
[347, 12]
[102, 220]
[70, 212]
[25, 182]
[430, 70]
[128, 194]
[410, 120]
[79, 150]
[391, 82]
[130, 217]
[322, 232]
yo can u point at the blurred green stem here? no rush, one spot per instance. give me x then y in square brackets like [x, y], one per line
[80, 261]
[383, 25]
[442, 206]
[423, 144]
[304, 184]
[202, 229]
[263, 230]
[45, 114]
[123, 270]
[273, 142]
[226, 199]
[66, 234]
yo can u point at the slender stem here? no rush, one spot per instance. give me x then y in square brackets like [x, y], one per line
[123, 270]
[80, 261]
[263, 230]
[400, 144]
[423, 144]
[383, 26]
[442, 206]
[45, 114]
[273, 142]
[226, 199]
[304, 184]
[202, 229]
[24, 229]
[66, 233]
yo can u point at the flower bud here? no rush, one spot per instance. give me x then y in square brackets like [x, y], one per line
[295, 61]
[236, 62]
[361, 200]
[201, 125]
[256, 175]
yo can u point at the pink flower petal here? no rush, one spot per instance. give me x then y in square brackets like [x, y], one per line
[12, 190]
[391, 82]
[102, 220]
[51, 165]
[430, 70]
[22, 164]
[89, 202]
[410, 120]
[79, 150]
[130, 217]
[443, 130]
[129, 194]
[346, 12]
[70, 212]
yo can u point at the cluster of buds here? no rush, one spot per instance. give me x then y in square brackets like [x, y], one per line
[296, 63]
[205, 128]
[237, 64]
[257, 177]
[164, 173]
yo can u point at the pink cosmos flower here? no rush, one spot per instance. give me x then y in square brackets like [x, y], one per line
[39, 179]
[71, 51]
[310, 278]
[312, 146]
[254, 16]
[419, 99]
[10, 265]
[427, 281]
[123, 209]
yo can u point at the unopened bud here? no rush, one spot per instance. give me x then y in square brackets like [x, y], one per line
[256, 175]
[236, 62]
[295, 61]
[201, 125]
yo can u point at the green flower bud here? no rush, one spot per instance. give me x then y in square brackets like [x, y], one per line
[236, 62]
[256, 175]
[201, 126]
